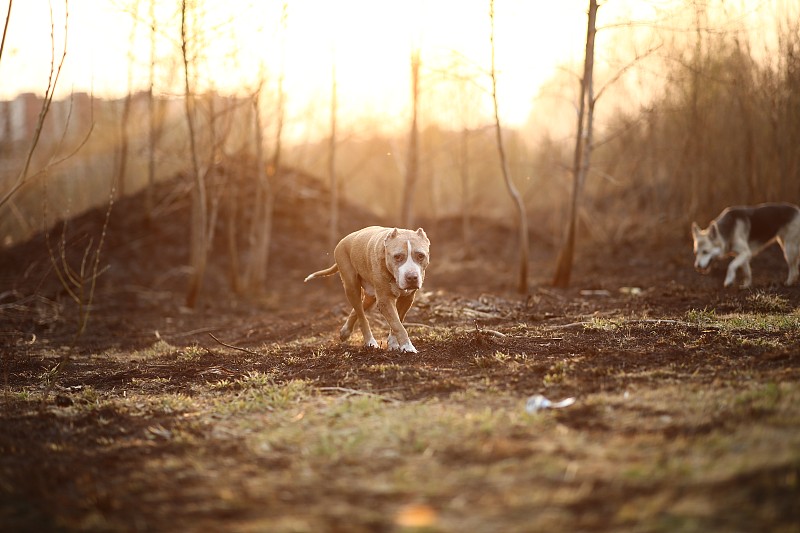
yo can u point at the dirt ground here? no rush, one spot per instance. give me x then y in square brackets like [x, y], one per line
[686, 413]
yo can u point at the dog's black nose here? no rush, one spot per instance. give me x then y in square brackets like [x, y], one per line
[412, 278]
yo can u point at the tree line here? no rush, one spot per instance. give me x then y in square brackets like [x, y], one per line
[720, 126]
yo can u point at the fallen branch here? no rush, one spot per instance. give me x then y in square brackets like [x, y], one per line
[488, 331]
[245, 350]
[359, 393]
[635, 321]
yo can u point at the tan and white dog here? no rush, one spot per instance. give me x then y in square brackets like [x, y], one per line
[743, 232]
[384, 266]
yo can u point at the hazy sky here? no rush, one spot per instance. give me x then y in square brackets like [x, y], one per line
[370, 40]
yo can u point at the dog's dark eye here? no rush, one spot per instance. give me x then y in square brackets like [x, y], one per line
[420, 256]
[398, 257]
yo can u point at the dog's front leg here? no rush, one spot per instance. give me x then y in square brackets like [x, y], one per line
[398, 336]
[741, 260]
[403, 305]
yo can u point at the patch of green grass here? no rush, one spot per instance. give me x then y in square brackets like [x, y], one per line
[764, 398]
[702, 317]
[769, 343]
[350, 428]
[258, 392]
[762, 322]
[175, 403]
[158, 349]
[557, 373]
[23, 396]
[153, 384]
[191, 353]
[88, 396]
[386, 369]
[432, 334]
[603, 324]
[499, 358]
[769, 303]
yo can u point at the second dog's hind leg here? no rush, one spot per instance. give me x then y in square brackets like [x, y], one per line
[791, 252]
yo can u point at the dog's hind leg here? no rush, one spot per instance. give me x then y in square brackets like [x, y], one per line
[352, 289]
[347, 329]
[791, 251]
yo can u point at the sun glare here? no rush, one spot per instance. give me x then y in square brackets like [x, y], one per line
[369, 42]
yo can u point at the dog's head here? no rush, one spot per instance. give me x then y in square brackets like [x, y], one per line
[707, 245]
[407, 256]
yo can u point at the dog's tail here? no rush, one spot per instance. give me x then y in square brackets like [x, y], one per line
[322, 273]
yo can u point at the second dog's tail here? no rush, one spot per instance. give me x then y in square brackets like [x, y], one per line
[322, 273]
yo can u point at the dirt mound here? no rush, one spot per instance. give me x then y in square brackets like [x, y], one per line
[143, 262]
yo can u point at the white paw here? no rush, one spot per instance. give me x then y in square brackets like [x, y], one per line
[372, 343]
[392, 343]
[408, 347]
[729, 280]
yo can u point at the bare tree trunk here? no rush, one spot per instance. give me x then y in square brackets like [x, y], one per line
[412, 169]
[463, 165]
[582, 154]
[255, 277]
[232, 208]
[743, 93]
[151, 116]
[262, 219]
[334, 185]
[124, 138]
[198, 247]
[279, 114]
[522, 281]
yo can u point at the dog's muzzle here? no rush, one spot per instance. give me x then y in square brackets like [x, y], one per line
[412, 280]
[703, 269]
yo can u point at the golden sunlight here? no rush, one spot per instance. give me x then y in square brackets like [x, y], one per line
[369, 42]
[244, 44]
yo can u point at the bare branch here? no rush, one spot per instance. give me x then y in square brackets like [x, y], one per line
[621, 72]
[231, 346]
[5, 29]
[52, 81]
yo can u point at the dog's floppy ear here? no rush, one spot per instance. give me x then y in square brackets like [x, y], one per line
[421, 233]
